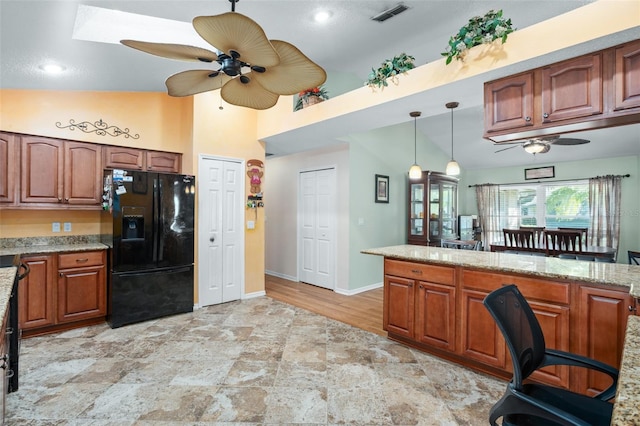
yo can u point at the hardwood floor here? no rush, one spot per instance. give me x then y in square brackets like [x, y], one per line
[362, 310]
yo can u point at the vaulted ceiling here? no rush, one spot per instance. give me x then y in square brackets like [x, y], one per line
[349, 43]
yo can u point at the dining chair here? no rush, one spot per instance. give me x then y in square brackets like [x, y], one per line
[538, 234]
[634, 257]
[558, 242]
[522, 239]
[585, 233]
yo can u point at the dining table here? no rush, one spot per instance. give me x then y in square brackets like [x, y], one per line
[596, 251]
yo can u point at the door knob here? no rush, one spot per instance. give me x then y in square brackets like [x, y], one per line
[212, 239]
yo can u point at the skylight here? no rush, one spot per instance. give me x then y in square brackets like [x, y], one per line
[110, 26]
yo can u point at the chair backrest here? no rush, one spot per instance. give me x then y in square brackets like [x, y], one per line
[520, 238]
[538, 234]
[584, 231]
[520, 329]
[634, 257]
[563, 242]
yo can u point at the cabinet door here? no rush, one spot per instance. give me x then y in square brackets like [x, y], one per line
[416, 213]
[572, 89]
[9, 166]
[166, 162]
[81, 293]
[436, 315]
[448, 218]
[398, 305]
[42, 171]
[83, 173]
[602, 321]
[35, 293]
[480, 336]
[627, 76]
[509, 103]
[554, 321]
[116, 157]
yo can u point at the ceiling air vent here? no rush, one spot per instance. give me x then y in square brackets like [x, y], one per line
[395, 10]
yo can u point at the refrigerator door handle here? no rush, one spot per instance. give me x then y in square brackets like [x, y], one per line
[156, 225]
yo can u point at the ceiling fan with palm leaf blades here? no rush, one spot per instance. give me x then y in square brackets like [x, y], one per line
[251, 70]
[543, 145]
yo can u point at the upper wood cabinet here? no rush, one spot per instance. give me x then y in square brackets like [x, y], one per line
[60, 172]
[9, 166]
[593, 91]
[138, 159]
[626, 77]
[571, 89]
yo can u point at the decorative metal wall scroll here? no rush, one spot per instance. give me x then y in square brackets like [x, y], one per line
[99, 127]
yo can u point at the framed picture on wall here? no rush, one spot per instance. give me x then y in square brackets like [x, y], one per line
[540, 172]
[382, 189]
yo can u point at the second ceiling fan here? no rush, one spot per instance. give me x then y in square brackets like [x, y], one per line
[543, 144]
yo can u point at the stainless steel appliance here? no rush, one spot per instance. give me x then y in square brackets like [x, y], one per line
[148, 223]
[13, 330]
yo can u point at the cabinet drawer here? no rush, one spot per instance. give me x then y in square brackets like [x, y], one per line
[419, 271]
[80, 259]
[531, 288]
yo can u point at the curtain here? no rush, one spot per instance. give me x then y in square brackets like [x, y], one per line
[488, 199]
[604, 203]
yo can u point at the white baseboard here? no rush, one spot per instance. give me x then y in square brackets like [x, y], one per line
[254, 295]
[358, 290]
[283, 276]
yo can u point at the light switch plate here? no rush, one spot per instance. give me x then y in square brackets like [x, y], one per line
[251, 224]
[67, 227]
[55, 227]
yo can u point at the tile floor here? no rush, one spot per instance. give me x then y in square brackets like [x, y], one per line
[252, 362]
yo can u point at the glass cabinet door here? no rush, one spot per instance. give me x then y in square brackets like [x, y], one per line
[448, 210]
[416, 226]
[434, 210]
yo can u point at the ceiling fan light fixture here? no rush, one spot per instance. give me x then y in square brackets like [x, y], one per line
[535, 146]
[453, 168]
[415, 172]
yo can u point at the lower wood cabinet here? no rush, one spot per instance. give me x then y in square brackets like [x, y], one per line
[440, 309]
[62, 291]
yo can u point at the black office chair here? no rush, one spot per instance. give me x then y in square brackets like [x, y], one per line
[634, 257]
[531, 403]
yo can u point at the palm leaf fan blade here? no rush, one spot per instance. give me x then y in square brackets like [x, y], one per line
[234, 31]
[250, 95]
[295, 72]
[191, 82]
[173, 51]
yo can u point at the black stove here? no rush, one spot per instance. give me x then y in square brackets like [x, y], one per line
[13, 331]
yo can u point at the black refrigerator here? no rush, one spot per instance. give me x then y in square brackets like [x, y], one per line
[148, 224]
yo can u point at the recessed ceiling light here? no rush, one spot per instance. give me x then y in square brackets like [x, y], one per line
[322, 16]
[52, 68]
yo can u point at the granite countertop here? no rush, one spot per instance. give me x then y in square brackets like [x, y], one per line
[7, 276]
[52, 248]
[608, 274]
[626, 410]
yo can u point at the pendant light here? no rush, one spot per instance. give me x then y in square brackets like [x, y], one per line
[453, 168]
[415, 172]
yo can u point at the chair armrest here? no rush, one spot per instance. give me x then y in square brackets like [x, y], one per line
[556, 357]
[555, 410]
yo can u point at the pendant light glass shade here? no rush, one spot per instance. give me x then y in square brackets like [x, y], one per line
[415, 172]
[453, 168]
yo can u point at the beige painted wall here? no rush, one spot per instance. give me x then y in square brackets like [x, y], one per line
[190, 126]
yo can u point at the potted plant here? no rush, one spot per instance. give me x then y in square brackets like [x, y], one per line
[390, 69]
[479, 30]
[311, 96]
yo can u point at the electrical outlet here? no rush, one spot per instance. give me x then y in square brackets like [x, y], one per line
[67, 227]
[55, 227]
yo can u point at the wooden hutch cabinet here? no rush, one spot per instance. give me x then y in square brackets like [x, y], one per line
[433, 205]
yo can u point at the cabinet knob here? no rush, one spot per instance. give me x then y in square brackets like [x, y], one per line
[545, 115]
[527, 119]
[66, 200]
[60, 274]
[59, 200]
[632, 308]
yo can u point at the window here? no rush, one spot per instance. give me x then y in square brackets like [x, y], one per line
[552, 205]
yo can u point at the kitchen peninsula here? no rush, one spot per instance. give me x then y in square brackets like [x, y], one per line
[433, 302]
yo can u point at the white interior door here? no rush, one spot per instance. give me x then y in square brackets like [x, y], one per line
[221, 231]
[317, 227]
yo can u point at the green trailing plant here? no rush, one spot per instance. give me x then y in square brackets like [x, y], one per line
[479, 30]
[304, 96]
[390, 69]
